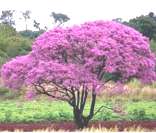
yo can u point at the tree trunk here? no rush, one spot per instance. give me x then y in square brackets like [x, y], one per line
[79, 119]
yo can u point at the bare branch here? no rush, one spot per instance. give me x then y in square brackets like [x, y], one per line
[102, 108]
[91, 113]
[78, 98]
[43, 91]
[83, 99]
[74, 97]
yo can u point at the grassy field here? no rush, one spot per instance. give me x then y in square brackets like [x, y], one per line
[138, 102]
[38, 111]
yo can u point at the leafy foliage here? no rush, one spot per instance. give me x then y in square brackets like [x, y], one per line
[11, 43]
[7, 17]
[18, 46]
[153, 46]
[145, 24]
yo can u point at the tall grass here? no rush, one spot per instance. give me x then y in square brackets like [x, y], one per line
[134, 90]
[100, 129]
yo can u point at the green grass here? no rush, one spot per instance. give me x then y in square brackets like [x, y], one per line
[37, 111]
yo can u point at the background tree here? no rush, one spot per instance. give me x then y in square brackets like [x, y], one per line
[6, 31]
[144, 24]
[31, 34]
[12, 43]
[45, 28]
[17, 45]
[26, 16]
[7, 17]
[117, 20]
[59, 17]
[37, 25]
[75, 62]
[151, 14]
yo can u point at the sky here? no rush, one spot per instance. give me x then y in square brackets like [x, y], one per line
[79, 11]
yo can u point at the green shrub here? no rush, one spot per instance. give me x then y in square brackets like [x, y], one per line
[2, 117]
[138, 114]
[3, 91]
[64, 115]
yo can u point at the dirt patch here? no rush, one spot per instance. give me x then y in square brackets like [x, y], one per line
[70, 126]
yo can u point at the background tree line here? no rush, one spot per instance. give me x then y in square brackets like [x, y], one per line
[13, 43]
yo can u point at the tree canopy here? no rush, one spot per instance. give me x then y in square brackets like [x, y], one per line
[65, 62]
[7, 17]
[59, 17]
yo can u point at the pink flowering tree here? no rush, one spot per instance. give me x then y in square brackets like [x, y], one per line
[70, 63]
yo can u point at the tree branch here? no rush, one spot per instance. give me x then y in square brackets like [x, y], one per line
[73, 98]
[91, 114]
[78, 98]
[83, 99]
[43, 91]
[102, 108]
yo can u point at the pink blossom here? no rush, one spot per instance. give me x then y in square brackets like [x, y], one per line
[82, 55]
